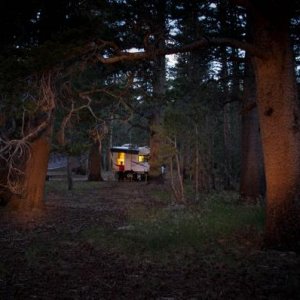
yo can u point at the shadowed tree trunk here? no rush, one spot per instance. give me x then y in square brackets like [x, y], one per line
[95, 162]
[109, 145]
[252, 183]
[95, 155]
[279, 121]
[155, 145]
[159, 89]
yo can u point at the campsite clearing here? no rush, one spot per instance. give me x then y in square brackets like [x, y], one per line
[111, 240]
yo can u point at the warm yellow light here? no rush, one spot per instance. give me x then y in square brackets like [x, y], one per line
[141, 158]
[121, 158]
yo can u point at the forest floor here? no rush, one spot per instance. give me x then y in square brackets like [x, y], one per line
[111, 240]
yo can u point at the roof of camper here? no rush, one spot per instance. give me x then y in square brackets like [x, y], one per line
[129, 148]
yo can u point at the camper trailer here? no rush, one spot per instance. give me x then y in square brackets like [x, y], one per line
[134, 158]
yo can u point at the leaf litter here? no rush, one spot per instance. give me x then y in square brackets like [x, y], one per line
[49, 255]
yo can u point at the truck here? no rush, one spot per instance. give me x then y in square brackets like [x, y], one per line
[134, 158]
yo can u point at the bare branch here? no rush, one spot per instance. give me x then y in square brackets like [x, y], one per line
[250, 48]
[119, 96]
[99, 132]
[202, 43]
[46, 104]
[137, 125]
[68, 116]
[108, 44]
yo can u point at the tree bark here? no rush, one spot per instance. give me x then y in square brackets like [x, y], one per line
[279, 120]
[155, 146]
[35, 172]
[109, 145]
[159, 90]
[252, 182]
[95, 162]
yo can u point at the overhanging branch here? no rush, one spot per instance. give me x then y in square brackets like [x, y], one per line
[200, 44]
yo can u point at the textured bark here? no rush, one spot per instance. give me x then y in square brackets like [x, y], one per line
[252, 183]
[279, 120]
[95, 163]
[227, 149]
[159, 89]
[35, 174]
[5, 193]
[109, 145]
[33, 165]
[155, 146]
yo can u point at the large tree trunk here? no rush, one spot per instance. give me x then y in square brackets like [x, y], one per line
[252, 182]
[155, 146]
[95, 162]
[159, 90]
[30, 169]
[279, 120]
[35, 172]
[109, 145]
[155, 123]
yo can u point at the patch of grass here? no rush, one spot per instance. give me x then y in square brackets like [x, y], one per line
[55, 186]
[223, 219]
[162, 195]
[3, 270]
[59, 186]
[158, 231]
[81, 190]
[38, 251]
[32, 255]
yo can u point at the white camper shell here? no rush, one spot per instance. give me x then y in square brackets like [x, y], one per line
[134, 158]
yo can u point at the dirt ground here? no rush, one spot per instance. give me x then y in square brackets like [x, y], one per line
[43, 255]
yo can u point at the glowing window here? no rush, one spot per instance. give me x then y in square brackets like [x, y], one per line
[121, 158]
[141, 158]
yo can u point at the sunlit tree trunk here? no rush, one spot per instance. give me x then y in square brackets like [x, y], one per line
[35, 172]
[5, 193]
[27, 190]
[252, 182]
[279, 121]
